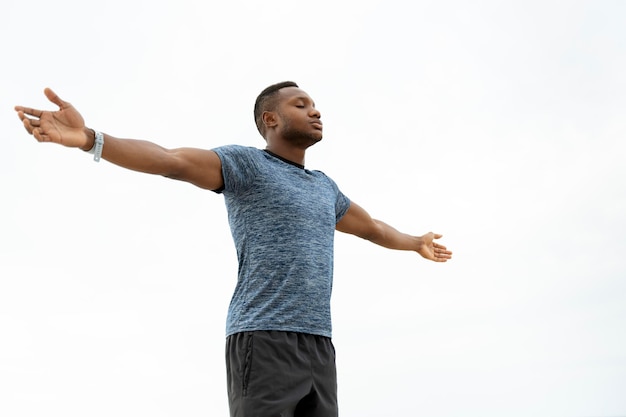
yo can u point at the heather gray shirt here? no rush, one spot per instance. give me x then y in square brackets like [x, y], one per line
[282, 218]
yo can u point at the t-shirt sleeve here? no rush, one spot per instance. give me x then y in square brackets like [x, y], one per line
[342, 206]
[238, 167]
[342, 203]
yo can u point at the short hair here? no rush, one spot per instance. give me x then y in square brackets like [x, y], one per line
[267, 101]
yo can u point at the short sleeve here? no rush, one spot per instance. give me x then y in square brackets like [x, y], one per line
[342, 206]
[239, 167]
[342, 203]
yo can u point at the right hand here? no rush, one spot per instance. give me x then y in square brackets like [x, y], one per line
[64, 126]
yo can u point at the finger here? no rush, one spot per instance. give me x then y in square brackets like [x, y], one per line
[53, 97]
[37, 133]
[437, 236]
[27, 125]
[27, 121]
[27, 110]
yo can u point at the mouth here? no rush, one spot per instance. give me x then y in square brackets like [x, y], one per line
[317, 125]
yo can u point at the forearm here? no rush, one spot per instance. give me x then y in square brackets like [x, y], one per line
[391, 238]
[137, 155]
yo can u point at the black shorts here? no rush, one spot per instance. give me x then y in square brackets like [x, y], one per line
[281, 374]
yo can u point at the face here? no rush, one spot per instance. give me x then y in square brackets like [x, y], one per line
[299, 120]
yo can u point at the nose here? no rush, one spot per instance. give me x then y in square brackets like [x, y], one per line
[315, 113]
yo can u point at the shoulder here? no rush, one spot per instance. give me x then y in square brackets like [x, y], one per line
[228, 150]
[320, 175]
[241, 165]
[342, 202]
[238, 155]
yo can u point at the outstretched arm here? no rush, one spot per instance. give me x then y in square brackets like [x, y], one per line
[358, 222]
[67, 127]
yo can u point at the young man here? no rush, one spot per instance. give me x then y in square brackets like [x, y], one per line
[279, 355]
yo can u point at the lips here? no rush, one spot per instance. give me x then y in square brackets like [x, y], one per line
[317, 124]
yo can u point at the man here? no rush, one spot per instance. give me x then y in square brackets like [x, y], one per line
[279, 355]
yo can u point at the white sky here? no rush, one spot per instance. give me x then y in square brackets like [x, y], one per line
[499, 124]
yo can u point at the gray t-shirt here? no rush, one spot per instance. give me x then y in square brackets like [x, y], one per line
[282, 218]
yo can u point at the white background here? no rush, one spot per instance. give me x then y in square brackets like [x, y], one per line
[499, 124]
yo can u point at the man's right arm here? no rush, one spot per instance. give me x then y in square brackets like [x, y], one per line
[66, 127]
[199, 167]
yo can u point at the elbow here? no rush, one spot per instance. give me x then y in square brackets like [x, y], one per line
[173, 166]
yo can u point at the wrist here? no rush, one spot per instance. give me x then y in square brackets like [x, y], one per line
[90, 139]
[418, 241]
[96, 140]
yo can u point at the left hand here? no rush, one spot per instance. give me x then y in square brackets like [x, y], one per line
[429, 249]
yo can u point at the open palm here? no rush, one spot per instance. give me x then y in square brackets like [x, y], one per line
[64, 126]
[432, 250]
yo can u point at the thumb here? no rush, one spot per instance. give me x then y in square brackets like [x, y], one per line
[52, 96]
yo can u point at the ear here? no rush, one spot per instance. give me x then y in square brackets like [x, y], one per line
[270, 119]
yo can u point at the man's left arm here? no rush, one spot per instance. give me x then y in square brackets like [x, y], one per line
[358, 222]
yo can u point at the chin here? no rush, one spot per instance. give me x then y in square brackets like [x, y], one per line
[315, 140]
[318, 137]
[305, 141]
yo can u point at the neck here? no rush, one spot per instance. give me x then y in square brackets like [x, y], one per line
[292, 154]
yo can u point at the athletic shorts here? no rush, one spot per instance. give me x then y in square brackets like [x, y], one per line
[281, 374]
